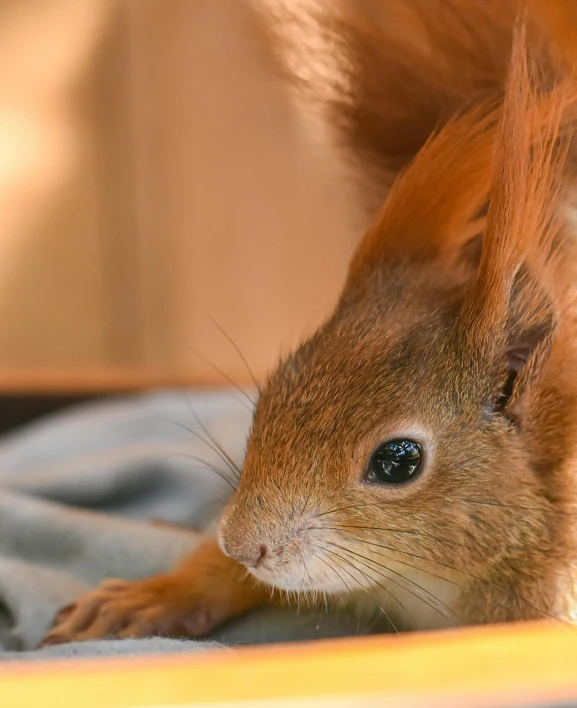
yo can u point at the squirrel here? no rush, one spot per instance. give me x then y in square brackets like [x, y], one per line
[418, 454]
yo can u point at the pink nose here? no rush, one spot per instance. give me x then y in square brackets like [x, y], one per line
[251, 556]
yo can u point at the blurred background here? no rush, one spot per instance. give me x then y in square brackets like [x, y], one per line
[152, 164]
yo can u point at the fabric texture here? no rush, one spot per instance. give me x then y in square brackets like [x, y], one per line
[79, 494]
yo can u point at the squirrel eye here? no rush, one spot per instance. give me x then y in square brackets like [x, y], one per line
[395, 462]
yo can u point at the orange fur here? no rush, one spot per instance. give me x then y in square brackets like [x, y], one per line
[560, 21]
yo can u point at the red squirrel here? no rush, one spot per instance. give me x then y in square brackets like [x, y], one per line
[418, 454]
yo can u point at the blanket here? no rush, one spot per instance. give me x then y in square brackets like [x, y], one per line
[79, 491]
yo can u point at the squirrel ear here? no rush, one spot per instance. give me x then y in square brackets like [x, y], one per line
[526, 354]
[528, 337]
[470, 253]
[521, 348]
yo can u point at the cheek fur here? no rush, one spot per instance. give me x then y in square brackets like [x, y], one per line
[316, 555]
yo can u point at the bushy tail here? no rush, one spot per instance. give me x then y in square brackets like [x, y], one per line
[386, 74]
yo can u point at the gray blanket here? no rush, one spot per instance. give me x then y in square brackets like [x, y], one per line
[78, 492]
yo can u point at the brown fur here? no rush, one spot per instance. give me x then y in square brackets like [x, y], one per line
[466, 107]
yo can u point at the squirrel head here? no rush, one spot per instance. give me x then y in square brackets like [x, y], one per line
[425, 430]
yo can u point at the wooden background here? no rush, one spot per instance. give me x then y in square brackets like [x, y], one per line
[150, 160]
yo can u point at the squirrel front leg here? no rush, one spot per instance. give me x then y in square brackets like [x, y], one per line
[203, 591]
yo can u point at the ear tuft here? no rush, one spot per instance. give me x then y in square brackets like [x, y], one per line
[434, 206]
[521, 262]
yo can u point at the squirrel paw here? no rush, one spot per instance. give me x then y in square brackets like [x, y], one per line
[159, 606]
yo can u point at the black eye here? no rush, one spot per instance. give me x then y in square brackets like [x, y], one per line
[395, 462]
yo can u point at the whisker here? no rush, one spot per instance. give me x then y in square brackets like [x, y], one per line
[204, 465]
[215, 449]
[372, 582]
[416, 567]
[282, 492]
[338, 527]
[305, 568]
[188, 430]
[421, 534]
[514, 506]
[471, 575]
[344, 582]
[225, 376]
[324, 594]
[406, 589]
[345, 508]
[409, 580]
[368, 591]
[364, 575]
[212, 439]
[231, 341]
[346, 560]
[307, 501]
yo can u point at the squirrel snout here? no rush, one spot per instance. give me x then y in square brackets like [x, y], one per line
[248, 553]
[242, 540]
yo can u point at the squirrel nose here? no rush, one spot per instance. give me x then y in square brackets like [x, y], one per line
[250, 556]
